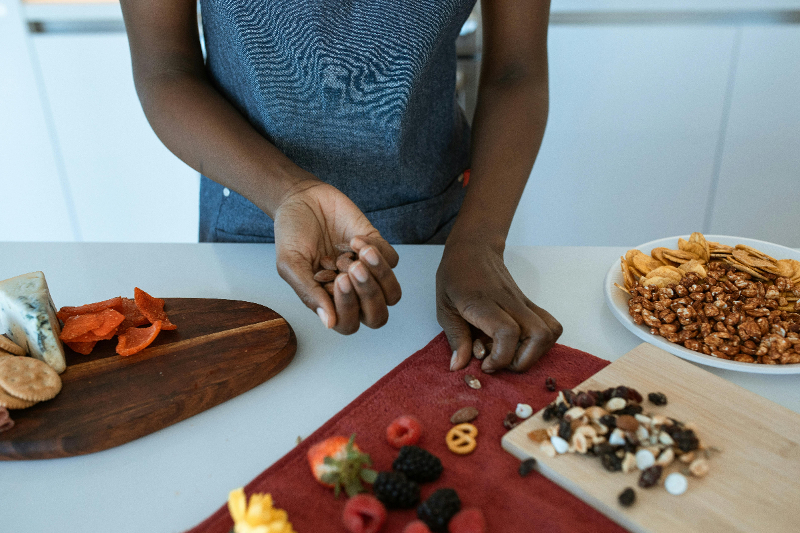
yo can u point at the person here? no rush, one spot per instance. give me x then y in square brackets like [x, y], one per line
[315, 123]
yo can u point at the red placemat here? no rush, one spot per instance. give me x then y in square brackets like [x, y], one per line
[422, 386]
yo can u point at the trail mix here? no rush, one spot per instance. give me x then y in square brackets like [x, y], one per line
[730, 302]
[612, 426]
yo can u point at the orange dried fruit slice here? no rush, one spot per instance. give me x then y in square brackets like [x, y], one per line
[135, 340]
[113, 303]
[152, 308]
[111, 321]
[84, 348]
[133, 317]
[78, 325]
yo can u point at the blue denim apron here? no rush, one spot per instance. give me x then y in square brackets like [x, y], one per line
[361, 93]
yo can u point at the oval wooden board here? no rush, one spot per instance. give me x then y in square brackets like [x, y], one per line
[221, 349]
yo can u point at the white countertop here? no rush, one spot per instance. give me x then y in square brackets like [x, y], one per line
[173, 479]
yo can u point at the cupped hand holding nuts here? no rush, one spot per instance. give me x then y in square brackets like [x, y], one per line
[315, 227]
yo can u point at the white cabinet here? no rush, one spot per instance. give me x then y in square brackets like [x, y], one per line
[35, 200]
[126, 186]
[758, 194]
[629, 151]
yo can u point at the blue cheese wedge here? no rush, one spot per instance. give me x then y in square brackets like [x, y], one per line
[28, 317]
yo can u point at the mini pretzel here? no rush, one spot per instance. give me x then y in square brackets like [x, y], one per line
[461, 438]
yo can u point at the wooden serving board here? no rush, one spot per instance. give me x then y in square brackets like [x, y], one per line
[221, 349]
[753, 484]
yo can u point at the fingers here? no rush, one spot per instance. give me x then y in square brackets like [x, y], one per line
[386, 250]
[347, 305]
[297, 271]
[520, 336]
[373, 304]
[382, 272]
[458, 335]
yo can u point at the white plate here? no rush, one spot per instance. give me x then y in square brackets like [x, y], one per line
[617, 301]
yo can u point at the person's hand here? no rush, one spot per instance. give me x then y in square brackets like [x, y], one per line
[474, 288]
[308, 223]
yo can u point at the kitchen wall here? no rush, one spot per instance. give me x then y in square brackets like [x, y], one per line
[665, 118]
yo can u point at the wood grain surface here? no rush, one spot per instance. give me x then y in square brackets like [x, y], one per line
[221, 349]
[753, 483]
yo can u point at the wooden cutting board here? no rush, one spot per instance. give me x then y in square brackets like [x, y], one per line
[753, 483]
[221, 349]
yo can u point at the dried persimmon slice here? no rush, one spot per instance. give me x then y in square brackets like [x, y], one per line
[84, 348]
[152, 308]
[111, 321]
[78, 325]
[113, 303]
[135, 340]
[133, 316]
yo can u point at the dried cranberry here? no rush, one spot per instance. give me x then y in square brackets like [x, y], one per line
[511, 420]
[657, 398]
[584, 400]
[627, 497]
[550, 383]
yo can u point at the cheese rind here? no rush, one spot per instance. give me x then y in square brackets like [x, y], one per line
[28, 317]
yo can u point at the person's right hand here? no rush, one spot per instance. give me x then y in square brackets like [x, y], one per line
[308, 223]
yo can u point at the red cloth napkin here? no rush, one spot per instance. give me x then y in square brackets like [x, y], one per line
[488, 478]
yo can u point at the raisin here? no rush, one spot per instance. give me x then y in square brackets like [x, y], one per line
[612, 462]
[630, 409]
[627, 497]
[657, 398]
[686, 440]
[511, 420]
[550, 384]
[620, 392]
[650, 476]
[609, 421]
[561, 409]
[634, 395]
[527, 466]
[549, 412]
[569, 396]
[565, 430]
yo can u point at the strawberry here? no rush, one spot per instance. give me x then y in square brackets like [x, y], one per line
[363, 513]
[338, 462]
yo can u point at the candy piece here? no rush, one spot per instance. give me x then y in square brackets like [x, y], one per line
[559, 444]
[676, 483]
[152, 308]
[135, 340]
[644, 459]
[523, 410]
[363, 513]
[404, 431]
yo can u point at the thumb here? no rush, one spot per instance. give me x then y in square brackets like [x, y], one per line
[458, 335]
[297, 271]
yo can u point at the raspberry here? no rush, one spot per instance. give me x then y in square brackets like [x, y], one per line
[417, 464]
[439, 508]
[470, 520]
[395, 490]
[417, 526]
[404, 431]
[363, 513]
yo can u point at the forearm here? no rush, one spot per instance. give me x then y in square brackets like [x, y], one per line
[204, 130]
[508, 128]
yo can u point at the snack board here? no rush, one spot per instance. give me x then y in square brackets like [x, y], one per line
[752, 483]
[221, 349]
[617, 302]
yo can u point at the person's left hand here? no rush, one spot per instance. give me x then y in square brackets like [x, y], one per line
[474, 287]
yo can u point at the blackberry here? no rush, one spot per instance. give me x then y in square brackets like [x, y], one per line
[439, 508]
[417, 464]
[395, 490]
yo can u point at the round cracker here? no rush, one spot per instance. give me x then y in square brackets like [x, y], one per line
[10, 346]
[10, 402]
[29, 379]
